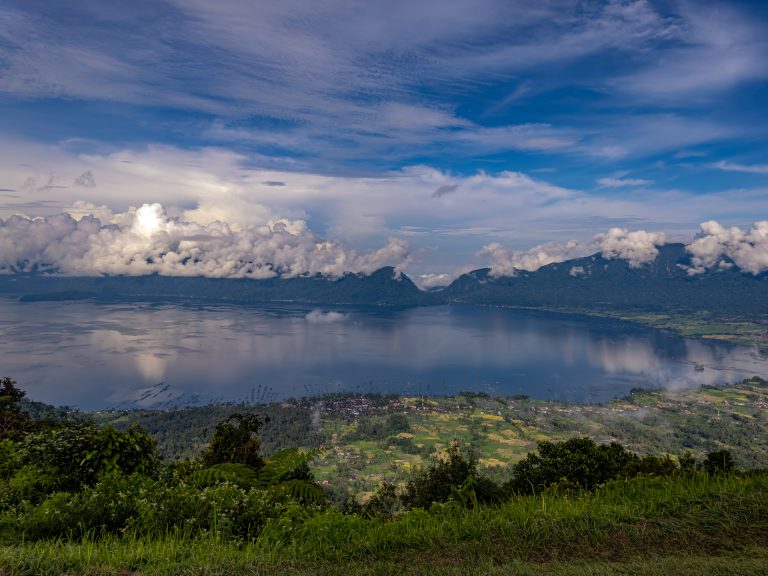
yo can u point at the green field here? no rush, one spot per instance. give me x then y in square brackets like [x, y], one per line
[359, 450]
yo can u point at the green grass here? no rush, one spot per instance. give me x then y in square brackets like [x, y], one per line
[683, 525]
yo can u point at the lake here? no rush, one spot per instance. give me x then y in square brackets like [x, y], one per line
[141, 355]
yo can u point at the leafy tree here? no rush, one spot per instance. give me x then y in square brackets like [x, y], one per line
[9, 458]
[445, 478]
[78, 453]
[688, 463]
[384, 503]
[579, 461]
[377, 428]
[650, 465]
[236, 441]
[718, 462]
[14, 423]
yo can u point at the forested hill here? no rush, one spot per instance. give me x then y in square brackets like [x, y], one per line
[593, 282]
[597, 283]
[385, 287]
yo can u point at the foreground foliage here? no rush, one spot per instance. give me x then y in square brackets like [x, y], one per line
[680, 521]
[76, 498]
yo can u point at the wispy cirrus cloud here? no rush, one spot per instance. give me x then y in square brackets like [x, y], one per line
[620, 181]
[455, 123]
[389, 83]
[716, 46]
[736, 167]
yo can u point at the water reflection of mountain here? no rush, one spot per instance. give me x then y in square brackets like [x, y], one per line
[115, 354]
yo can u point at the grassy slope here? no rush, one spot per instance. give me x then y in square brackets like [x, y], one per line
[646, 526]
[502, 430]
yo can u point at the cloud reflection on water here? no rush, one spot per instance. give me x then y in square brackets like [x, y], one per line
[93, 355]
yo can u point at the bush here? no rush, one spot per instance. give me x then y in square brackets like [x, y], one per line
[107, 507]
[444, 480]
[650, 465]
[579, 461]
[78, 453]
[9, 458]
[32, 484]
[56, 516]
[719, 462]
[385, 503]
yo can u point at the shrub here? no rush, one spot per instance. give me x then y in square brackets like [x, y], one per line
[650, 465]
[719, 462]
[79, 452]
[385, 503]
[56, 516]
[31, 483]
[580, 461]
[9, 458]
[374, 428]
[445, 478]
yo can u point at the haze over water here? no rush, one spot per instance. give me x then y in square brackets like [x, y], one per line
[139, 355]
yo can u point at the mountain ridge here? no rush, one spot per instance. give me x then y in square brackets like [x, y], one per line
[593, 282]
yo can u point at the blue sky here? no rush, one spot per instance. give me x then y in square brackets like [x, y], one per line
[447, 124]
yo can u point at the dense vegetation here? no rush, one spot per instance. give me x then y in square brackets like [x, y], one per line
[370, 438]
[383, 287]
[72, 493]
[596, 283]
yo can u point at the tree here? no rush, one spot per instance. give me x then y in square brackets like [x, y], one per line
[236, 441]
[446, 478]
[77, 453]
[578, 461]
[718, 462]
[14, 423]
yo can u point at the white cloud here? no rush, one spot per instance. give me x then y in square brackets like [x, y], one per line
[320, 317]
[613, 182]
[347, 84]
[734, 167]
[507, 263]
[718, 47]
[146, 240]
[207, 185]
[637, 248]
[429, 281]
[747, 249]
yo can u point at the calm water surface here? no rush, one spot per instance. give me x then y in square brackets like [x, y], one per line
[95, 356]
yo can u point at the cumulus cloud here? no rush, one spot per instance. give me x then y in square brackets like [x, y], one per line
[637, 248]
[506, 263]
[717, 246]
[429, 281]
[146, 240]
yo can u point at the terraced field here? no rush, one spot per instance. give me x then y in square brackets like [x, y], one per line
[367, 439]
